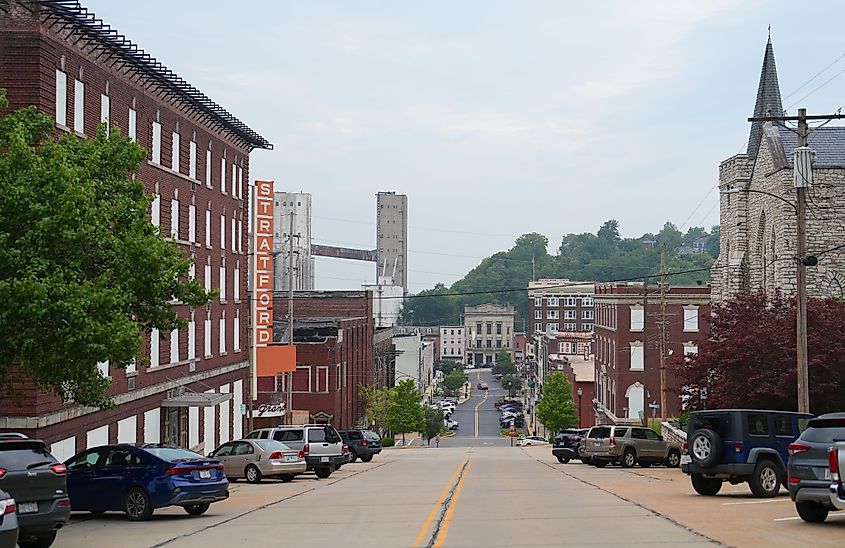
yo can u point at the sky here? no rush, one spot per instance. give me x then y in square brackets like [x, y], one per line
[495, 118]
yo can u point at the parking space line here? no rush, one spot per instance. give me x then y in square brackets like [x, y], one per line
[755, 502]
[443, 494]
[787, 519]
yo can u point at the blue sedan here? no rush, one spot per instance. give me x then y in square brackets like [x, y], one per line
[137, 479]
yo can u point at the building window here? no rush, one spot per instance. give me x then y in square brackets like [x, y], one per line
[132, 131]
[207, 277]
[155, 339]
[234, 180]
[538, 301]
[538, 327]
[223, 232]
[586, 314]
[569, 326]
[538, 314]
[498, 329]
[223, 333]
[234, 235]
[489, 328]
[489, 343]
[156, 152]
[236, 331]
[192, 160]
[240, 182]
[690, 318]
[174, 219]
[192, 223]
[552, 327]
[174, 346]
[192, 340]
[208, 168]
[567, 348]
[690, 348]
[104, 368]
[155, 213]
[207, 336]
[636, 356]
[570, 301]
[105, 111]
[223, 177]
[78, 106]
[553, 301]
[586, 327]
[570, 314]
[174, 151]
[236, 283]
[637, 318]
[207, 228]
[499, 343]
[586, 301]
[552, 314]
[222, 284]
[61, 98]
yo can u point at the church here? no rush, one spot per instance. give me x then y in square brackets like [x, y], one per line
[757, 211]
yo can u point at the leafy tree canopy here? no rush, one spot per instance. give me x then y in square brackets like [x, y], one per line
[433, 422]
[555, 408]
[377, 405]
[512, 384]
[447, 366]
[453, 382]
[83, 272]
[504, 364]
[405, 412]
[749, 361]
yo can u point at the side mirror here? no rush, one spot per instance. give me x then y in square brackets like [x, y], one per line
[211, 454]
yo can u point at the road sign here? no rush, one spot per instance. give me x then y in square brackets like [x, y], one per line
[654, 405]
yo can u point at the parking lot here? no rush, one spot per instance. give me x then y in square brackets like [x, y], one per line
[733, 517]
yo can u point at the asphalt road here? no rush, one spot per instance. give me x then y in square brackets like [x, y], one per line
[478, 418]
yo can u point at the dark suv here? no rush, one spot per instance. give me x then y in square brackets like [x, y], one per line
[567, 444]
[740, 445]
[809, 466]
[38, 483]
[363, 444]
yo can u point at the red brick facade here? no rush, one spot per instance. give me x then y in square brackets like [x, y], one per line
[35, 56]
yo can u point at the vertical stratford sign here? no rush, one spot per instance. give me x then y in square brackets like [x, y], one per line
[269, 359]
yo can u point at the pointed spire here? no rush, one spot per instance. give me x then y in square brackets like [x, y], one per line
[768, 97]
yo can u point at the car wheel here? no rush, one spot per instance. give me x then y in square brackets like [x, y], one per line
[286, 478]
[599, 463]
[323, 473]
[765, 482]
[706, 486]
[629, 459]
[41, 541]
[673, 459]
[252, 474]
[812, 512]
[353, 456]
[367, 458]
[137, 505]
[705, 447]
[563, 460]
[586, 460]
[196, 509]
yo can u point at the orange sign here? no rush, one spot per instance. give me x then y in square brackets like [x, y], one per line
[269, 359]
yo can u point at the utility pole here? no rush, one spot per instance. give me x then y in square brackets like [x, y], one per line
[289, 375]
[801, 335]
[662, 330]
[645, 347]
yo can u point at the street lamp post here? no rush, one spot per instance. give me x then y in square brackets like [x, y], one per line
[580, 416]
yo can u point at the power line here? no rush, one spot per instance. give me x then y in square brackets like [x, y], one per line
[819, 73]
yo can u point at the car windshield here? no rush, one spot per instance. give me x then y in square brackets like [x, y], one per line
[825, 431]
[172, 454]
[272, 445]
[19, 455]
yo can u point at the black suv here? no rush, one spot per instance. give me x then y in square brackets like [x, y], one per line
[567, 444]
[740, 445]
[363, 444]
[810, 477]
[38, 483]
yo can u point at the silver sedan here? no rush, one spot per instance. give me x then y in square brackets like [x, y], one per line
[256, 459]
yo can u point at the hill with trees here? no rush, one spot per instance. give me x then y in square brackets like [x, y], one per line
[604, 256]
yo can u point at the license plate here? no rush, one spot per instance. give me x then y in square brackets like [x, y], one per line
[291, 458]
[27, 507]
[686, 459]
[324, 459]
[827, 473]
[205, 474]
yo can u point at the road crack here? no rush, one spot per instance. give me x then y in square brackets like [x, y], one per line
[444, 507]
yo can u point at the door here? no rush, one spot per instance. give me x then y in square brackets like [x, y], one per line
[242, 454]
[80, 475]
[173, 427]
[120, 470]
[656, 446]
[224, 455]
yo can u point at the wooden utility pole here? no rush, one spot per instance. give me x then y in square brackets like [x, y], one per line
[801, 251]
[662, 330]
[644, 418]
[289, 375]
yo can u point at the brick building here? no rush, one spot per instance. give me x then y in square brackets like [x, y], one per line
[758, 238]
[488, 329]
[333, 334]
[560, 305]
[627, 339]
[452, 343]
[188, 385]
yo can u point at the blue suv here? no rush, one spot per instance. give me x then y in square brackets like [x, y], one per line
[740, 445]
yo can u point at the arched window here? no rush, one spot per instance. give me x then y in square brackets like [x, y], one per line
[636, 400]
[834, 287]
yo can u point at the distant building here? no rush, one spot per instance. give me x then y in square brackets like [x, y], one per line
[384, 357]
[392, 237]
[489, 330]
[452, 343]
[627, 347]
[387, 301]
[560, 305]
[520, 342]
[297, 204]
[414, 360]
[700, 244]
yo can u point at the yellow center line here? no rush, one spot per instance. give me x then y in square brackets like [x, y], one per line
[484, 399]
[447, 519]
[427, 523]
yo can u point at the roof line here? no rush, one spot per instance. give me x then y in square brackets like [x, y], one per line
[69, 13]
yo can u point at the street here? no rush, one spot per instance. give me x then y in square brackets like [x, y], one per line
[478, 418]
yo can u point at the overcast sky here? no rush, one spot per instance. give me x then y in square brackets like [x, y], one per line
[495, 118]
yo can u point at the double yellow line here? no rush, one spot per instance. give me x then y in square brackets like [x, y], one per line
[443, 531]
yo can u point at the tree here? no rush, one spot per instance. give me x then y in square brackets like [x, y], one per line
[504, 364]
[83, 272]
[447, 366]
[609, 231]
[555, 408]
[453, 382]
[406, 413]
[433, 423]
[512, 384]
[377, 405]
[749, 359]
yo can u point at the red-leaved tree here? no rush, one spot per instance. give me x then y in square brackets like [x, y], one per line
[749, 360]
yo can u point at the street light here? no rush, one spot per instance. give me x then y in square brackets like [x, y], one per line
[580, 417]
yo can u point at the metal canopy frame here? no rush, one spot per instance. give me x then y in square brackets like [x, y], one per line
[70, 15]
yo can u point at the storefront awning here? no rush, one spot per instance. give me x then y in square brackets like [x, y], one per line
[196, 399]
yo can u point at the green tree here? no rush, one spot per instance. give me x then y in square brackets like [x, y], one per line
[406, 413]
[83, 272]
[433, 423]
[512, 384]
[447, 366]
[555, 408]
[453, 382]
[504, 364]
[377, 405]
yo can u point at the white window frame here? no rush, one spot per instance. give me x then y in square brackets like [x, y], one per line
[156, 149]
[234, 235]
[104, 368]
[207, 338]
[553, 301]
[192, 223]
[570, 301]
[552, 327]
[208, 161]
[690, 348]
[234, 180]
[105, 110]
[236, 331]
[236, 286]
[207, 228]
[586, 301]
[586, 314]
[174, 219]
[132, 130]
[155, 210]
[637, 318]
[155, 348]
[61, 98]
[192, 159]
[637, 356]
[240, 182]
[538, 314]
[207, 277]
[570, 314]
[552, 314]
[690, 319]
[222, 284]
[192, 340]
[538, 301]
[174, 346]
[175, 151]
[223, 176]
[78, 106]
[223, 232]
[222, 339]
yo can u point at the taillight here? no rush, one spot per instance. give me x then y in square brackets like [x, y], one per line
[795, 448]
[793, 479]
[613, 442]
[737, 447]
[64, 503]
[833, 461]
[363, 443]
[686, 448]
[301, 454]
[7, 506]
[275, 455]
[344, 449]
[306, 449]
[174, 471]
[59, 468]
[2, 472]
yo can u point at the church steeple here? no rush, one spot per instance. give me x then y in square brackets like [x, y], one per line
[768, 98]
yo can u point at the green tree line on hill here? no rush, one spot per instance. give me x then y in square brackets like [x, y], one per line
[604, 256]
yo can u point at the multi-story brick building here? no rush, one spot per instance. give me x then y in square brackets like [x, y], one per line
[188, 385]
[560, 305]
[333, 334]
[628, 331]
[452, 343]
[488, 329]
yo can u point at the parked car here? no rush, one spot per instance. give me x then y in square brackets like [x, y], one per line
[836, 464]
[256, 459]
[483, 386]
[320, 443]
[38, 484]
[518, 422]
[508, 402]
[450, 424]
[810, 467]
[8, 520]
[363, 444]
[531, 440]
[137, 479]
[740, 445]
[567, 444]
[630, 445]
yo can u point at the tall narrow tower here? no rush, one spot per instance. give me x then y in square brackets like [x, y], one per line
[392, 237]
